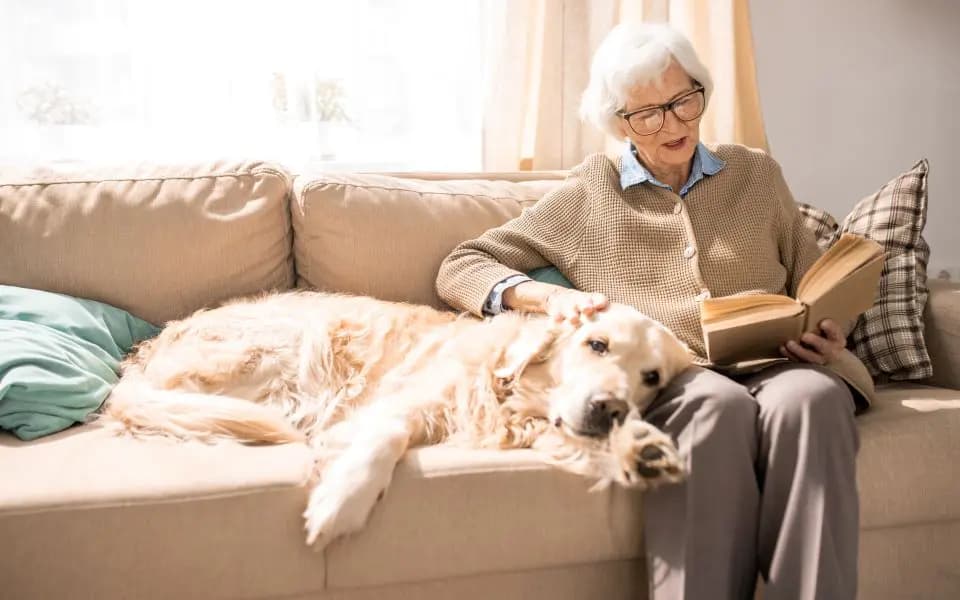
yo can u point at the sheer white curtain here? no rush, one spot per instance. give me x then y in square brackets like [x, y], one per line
[538, 70]
[364, 84]
[541, 67]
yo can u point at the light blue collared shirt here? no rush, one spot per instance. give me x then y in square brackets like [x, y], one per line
[632, 173]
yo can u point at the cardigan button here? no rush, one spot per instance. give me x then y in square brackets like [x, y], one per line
[703, 295]
[689, 251]
[677, 208]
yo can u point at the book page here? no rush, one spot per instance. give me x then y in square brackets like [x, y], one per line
[731, 307]
[849, 254]
[848, 298]
[832, 254]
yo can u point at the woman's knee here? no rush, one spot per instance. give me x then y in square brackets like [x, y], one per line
[723, 399]
[806, 394]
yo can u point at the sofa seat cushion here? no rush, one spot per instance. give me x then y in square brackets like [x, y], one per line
[197, 520]
[159, 241]
[454, 512]
[909, 452]
[179, 520]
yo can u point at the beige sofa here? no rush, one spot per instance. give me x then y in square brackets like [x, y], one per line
[87, 515]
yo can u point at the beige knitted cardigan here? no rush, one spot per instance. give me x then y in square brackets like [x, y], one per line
[735, 232]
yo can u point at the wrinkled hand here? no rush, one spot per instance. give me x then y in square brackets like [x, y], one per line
[570, 305]
[817, 349]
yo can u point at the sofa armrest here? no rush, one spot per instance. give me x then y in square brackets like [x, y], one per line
[942, 332]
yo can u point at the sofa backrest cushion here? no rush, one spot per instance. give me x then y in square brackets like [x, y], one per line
[158, 241]
[385, 236]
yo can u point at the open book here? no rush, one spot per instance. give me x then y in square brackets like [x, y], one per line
[841, 285]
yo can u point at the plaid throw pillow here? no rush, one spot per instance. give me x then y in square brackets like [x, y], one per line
[824, 227]
[888, 338]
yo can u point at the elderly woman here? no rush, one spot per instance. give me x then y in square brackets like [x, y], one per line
[771, 453]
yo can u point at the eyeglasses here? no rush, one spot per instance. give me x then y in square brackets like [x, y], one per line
[649, 120]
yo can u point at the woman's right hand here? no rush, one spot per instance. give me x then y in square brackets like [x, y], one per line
[570, 305]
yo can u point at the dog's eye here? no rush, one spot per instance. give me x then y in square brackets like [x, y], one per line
[651, 378]
[598, 346]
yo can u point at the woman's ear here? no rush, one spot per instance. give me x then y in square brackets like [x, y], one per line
[532, 345]
[621, 125]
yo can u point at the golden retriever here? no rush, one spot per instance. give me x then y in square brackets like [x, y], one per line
[361, 380]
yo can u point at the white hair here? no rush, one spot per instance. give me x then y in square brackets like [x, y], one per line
[632, 55]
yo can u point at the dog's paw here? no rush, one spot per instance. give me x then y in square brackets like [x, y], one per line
[337, 507]
[645, 456]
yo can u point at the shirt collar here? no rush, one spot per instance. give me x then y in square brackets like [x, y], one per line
[633, 173]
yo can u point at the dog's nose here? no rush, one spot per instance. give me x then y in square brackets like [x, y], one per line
[603, 411]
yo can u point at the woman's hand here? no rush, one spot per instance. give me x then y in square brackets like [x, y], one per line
[815, 348]
[569, 305]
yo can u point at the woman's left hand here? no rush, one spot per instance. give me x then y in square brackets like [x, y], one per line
[815, 348]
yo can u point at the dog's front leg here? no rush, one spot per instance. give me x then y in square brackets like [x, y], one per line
[354, 479]
[643, 455]
[635, 454]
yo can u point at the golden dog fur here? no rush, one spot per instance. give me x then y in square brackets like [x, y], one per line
[362, 380]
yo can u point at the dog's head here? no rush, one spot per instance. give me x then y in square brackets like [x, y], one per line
[609, 367]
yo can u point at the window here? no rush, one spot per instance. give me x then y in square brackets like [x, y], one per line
[365, 84]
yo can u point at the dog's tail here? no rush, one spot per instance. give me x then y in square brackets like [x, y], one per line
[137, 407]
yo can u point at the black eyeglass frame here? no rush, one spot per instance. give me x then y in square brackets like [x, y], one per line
[663, 111]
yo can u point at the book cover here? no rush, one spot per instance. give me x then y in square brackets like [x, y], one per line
[840, 285]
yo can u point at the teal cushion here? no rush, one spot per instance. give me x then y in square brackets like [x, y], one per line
[550, 274]
[59, 358]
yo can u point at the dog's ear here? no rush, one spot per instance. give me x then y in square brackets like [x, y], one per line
[532, 345]
[677, 355]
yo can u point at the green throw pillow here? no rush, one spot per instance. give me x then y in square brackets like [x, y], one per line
[59, 358]
[550, 274]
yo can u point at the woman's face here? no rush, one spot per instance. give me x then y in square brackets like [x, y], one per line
[673, 146]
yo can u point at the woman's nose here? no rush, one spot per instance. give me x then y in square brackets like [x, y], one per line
[672, 123]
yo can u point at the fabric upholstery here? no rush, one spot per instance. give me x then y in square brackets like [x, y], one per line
[942, 332]
[197, 520]
[158, 241]
[913, 562]
[414, 223]
[889, 336]
[611, 580]
[100, 516]
[909, 449]
[453, 512]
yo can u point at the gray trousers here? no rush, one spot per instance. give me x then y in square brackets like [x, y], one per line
[771, 487]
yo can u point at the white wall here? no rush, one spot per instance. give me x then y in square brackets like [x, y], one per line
[854, 92]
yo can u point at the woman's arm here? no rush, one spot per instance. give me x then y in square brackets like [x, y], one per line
[549, 232]
[798, 247]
